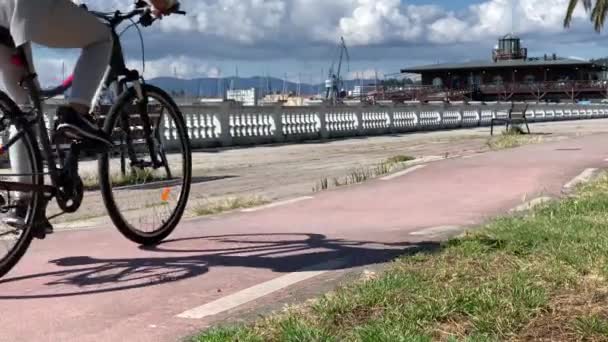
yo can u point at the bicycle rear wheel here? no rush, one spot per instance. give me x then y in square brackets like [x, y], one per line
[14, 241]
[146, 201]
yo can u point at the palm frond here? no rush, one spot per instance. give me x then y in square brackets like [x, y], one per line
[572, 6]
[598, 15]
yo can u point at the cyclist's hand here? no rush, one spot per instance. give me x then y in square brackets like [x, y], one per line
[162, 7]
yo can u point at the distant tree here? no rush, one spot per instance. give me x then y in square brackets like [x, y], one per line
[598, 12]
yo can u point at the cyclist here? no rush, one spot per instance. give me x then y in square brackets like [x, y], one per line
[57, 24]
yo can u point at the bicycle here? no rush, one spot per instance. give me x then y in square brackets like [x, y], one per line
[143, 123]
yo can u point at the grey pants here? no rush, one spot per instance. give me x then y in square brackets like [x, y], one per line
[69, 27]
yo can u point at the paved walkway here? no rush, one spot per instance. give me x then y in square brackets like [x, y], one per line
[297, 168]
[93, 285]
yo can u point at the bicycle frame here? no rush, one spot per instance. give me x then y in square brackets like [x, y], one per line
[116, 73]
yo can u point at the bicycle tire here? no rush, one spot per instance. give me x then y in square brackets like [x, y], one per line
[127, 229]
[18, 251]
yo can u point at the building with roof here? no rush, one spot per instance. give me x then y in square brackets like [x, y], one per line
[511, 75]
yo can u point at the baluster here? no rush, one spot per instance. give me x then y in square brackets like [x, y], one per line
[206, 126]
[242, 125]
[257, 127]
[298, 123]
[311, 123]
[167, 128]
[293, 126]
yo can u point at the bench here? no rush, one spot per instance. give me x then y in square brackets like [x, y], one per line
[516, 116]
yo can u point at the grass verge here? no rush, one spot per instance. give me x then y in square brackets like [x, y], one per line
[539, 276]
[136, 177]
[360, 175]
[399, 159]
[511, 139]
[218, 206]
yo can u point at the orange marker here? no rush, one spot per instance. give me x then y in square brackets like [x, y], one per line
[165, 195]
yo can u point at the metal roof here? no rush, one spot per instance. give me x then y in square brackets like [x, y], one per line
[518, 63]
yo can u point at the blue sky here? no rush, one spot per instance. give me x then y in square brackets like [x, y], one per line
[299, 37]
[455, 5]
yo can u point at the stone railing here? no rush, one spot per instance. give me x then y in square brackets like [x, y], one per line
[211, 126]
[214, 126]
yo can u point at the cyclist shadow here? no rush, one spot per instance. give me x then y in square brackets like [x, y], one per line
[284, 253]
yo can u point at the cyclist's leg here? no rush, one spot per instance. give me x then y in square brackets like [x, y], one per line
[20, 164]
[11, 76]
[69, 26]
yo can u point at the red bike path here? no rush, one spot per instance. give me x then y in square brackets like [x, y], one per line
[94, 285]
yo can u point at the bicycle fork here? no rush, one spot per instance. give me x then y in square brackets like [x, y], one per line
[142, 108]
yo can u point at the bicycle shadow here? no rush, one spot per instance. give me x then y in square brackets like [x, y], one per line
[283, 253]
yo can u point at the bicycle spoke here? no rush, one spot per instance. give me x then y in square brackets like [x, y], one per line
[161, 147]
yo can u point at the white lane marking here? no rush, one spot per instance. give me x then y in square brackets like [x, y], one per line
[428, 159]
[76, 225]
[532, 204]
[471, 156]
[433, 231]
[584, 177]
[258, 291]
[277, 204]
[404, 172]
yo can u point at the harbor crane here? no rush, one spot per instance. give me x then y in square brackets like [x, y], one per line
[333, 84]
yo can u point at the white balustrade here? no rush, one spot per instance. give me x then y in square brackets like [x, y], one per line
[486, 116]
[222, 126]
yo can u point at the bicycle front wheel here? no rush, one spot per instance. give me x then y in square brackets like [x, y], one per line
[146, 193]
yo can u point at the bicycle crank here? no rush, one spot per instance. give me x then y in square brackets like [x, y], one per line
[70, 199]
[71, 188]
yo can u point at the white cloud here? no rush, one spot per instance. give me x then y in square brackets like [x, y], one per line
[449, 30]
[378, 21]
[493, 18]
[182, 66]
[245, 21]
[361, 22]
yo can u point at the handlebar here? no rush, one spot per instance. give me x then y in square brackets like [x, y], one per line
[142, 9]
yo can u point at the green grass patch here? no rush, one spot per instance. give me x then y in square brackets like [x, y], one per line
[538, 276]
[218, 206]
[511, 139]
[589, 326]
[362, 174]
[399, 159]
[135, 177]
